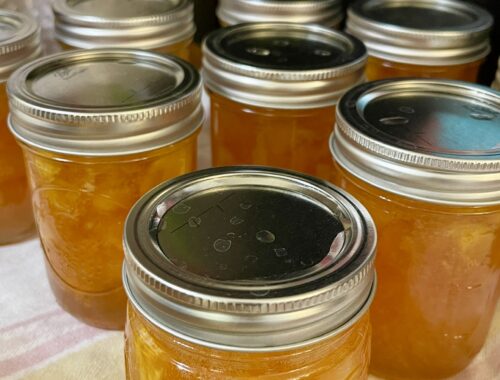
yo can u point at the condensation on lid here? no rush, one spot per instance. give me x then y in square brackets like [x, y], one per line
[323, 12]
[20, 41]
[421, 31]
[448, 129]
[254, 242]
[283, 58]
[147, 24]
[117, 95]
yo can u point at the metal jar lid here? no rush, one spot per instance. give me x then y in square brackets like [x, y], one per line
[104, 102]
[145, 24]
[20, 41]
[432, 140]
[249, 259]
[282, 65]
[421, 32]
[323, 12]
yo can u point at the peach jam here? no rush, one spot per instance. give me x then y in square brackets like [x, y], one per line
[273, 89]
[421, 38]
[248, 273]
[423, 156]
[19, 43]
[166, 26]
[98, 129]
[328, 13]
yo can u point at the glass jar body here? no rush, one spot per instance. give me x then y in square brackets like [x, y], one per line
[438, 275]
[80, 206]
[283, 138]
[153, 354]
[16, 217]
[377, 68]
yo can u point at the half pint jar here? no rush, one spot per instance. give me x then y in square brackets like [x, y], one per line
[98, 129]
[273, 89]
[165, 26]
[424, 157]
[328, 13]
[421, 38]
[246, 273]
[20, 42]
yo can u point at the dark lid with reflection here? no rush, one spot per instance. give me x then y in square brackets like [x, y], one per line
[323, 12]
[144, 24]
[282, 65]
[421, 32]
[105, 102]
[20, 41]
[434, 140]
[249, 258]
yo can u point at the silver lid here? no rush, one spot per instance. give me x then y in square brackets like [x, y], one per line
[20, 41]
[322, 12]
[282, 65]
[104, 102]
[421, 32]
[432, 140]
[249, 259]
[145, 24]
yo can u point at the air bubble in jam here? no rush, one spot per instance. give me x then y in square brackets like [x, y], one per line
[235, 221]
[394, 120]
[280, 252]
[258, 51]
[265, 236]
[222, 245]
[194, 222]
[181, 208]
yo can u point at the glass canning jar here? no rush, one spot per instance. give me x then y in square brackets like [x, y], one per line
[328, 13]
[421, 38]
[20, 42]
[273, 89]
[165, 26]
[246, 273]
[423, 156]
[98, 129]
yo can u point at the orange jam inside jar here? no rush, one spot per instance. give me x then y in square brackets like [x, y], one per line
[92, 148]
[422, 156]
[273, 90]
[163, 26]
[328, 13]
[224, 281]
[20, 42]
[421, 38]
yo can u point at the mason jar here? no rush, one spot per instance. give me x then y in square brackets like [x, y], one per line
[273, 89]
[98, 129]
[246, 273]
[164, 26]
[423, 157]
[421, 38]
[328, 13]
[20, 42]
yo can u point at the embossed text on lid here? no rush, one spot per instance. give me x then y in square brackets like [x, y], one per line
[423, 32]
[253, 242]
[147, 24]
[127, 101]
[295, 65]
[445, 130]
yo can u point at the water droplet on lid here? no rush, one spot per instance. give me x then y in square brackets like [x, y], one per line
[245, 205]
[260, 293]
[322, 52]
[258, 51]
[306, 262]
[406, 109]
[288, 261]
[222, 266]
[394, 120]
[231, 235]
[181, 208]
[265, 236]
[251, 258]
[482, 115]
[280, 252]
[194, 222]
[222, 245]
[235, 220]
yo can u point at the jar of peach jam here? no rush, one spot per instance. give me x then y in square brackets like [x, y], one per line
[273, 89]
[421, 38]
[424, 157]
[248, 273]
[98, 129]
[164, 26]
[20, 42]
[322, 12]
